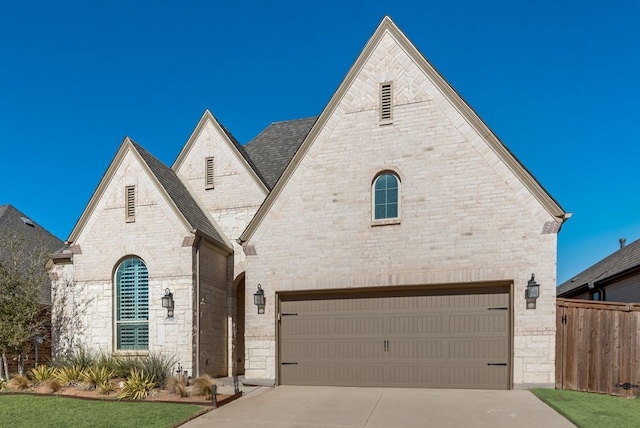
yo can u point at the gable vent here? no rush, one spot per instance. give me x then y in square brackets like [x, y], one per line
[386, 96]
[130, 195]
[208, 175]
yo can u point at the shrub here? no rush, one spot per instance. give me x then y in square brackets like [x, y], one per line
[81, 357]
[51, 385]
[94, 376]
[103, 359]
[178, 385]
[202, 385]
[137, 385]
[106, 387]
[68, 375]
[18, 383]
[157, 366]
[122, 366]
[41, 373]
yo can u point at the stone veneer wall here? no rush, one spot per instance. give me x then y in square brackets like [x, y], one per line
[465, 216]
[157, 237]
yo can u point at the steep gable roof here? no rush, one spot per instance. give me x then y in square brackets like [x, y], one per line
[180, 195]
[169, 184]
[273, 148]
[625, 259]
[388, 27]
[231, 140]
[33, 237]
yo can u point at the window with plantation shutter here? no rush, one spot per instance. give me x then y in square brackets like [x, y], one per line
[132, 305]
[208, 174]
[386, 98]
[130, 204]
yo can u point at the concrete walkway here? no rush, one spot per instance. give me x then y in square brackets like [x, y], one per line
[316, 406]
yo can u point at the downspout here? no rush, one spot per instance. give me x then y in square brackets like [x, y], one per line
[197, 373]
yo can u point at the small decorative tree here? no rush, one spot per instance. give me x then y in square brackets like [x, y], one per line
[22, 278]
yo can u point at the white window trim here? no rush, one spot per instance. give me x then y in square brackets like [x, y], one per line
[391, 220]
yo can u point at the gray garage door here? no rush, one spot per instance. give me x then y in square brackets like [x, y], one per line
[438, 339]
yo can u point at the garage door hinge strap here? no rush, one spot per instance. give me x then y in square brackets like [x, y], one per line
[496, 364]
[288, 364]
[285, 315]
[499, 308]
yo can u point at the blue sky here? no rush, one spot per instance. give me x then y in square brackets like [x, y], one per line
[557, 81]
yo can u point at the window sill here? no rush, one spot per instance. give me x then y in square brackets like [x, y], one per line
[385, 222]
[132, 353]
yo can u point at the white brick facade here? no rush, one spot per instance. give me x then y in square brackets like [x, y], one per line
[237, 192]
[470, 213]
[465, 216]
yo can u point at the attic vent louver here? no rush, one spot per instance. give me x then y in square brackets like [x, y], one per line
[208, 174]
[386, 97]
[130, 196]
[27, 221]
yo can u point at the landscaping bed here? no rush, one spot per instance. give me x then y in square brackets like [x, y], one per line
[105, 377]
[161, 395]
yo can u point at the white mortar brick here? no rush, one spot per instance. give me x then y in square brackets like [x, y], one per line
[465, 216]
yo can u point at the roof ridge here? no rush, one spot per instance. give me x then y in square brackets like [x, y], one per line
[294, 120]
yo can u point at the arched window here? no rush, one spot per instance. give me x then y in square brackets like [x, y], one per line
[386, 203]
[132, 305]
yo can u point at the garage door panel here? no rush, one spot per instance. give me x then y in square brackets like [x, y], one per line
[299, 350]
[358, 325]
[447, 339]
[362, 349]
[477, 323]
[307, 326]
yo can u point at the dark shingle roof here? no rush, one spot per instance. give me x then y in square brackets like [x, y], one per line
[622, 260]
[180, 195]
[35, 237]
[272, 150]
[242, 151]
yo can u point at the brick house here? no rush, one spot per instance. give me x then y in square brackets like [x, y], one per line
[392, 236]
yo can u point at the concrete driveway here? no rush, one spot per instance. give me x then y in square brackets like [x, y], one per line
[316, 406]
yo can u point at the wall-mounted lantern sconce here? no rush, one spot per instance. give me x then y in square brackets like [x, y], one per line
[532, 292]
[258, 299]
[167, 302]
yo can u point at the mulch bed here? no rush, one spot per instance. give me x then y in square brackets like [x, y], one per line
[156, 395]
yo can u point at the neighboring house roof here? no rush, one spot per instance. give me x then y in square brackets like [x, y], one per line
[388, 27]
[606, 270]
[34, 236]
[273, 148]
[170, 185]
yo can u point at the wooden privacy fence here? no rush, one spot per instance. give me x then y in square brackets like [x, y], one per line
[597, 347]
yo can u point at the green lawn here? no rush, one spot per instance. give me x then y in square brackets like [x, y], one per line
[588, 410]
[32, 411]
